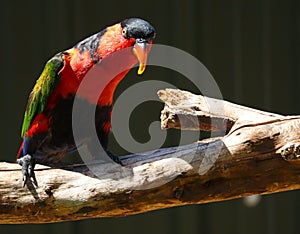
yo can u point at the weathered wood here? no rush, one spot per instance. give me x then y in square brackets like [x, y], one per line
[258, 156]
[187, 111]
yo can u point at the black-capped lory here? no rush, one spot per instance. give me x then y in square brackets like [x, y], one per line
[47, 127]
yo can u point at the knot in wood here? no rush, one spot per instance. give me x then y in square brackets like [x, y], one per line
[178, 192]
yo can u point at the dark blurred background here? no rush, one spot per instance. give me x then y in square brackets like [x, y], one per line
[250, 47]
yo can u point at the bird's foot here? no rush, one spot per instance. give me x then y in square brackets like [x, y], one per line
[115, 158]
[28, 164]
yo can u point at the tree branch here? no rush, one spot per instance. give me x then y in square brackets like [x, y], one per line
[259, 155]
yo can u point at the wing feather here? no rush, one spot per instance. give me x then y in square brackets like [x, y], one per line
[43, 88]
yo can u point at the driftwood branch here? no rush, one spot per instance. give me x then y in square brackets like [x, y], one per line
[258, 155]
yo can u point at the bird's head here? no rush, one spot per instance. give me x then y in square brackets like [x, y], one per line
[141, 33]
[133, 32]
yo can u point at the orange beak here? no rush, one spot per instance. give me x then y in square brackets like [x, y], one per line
[140, 50]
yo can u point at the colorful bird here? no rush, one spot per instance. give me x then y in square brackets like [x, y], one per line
[47, 127]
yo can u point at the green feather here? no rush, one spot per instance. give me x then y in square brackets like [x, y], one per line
[42, 90]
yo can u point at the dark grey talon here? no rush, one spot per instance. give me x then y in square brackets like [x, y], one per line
[28, 164]
[115, 158]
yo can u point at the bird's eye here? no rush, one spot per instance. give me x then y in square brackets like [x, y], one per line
[124, 32]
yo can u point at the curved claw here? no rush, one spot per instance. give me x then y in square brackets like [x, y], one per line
[115, 158]
[28, 164]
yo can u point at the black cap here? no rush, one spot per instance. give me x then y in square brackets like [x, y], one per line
[138, 29]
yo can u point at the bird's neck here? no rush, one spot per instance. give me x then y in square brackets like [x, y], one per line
[112, 41]
[99, 79]
[97, 82]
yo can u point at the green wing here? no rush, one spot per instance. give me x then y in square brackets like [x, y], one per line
[43, 88]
